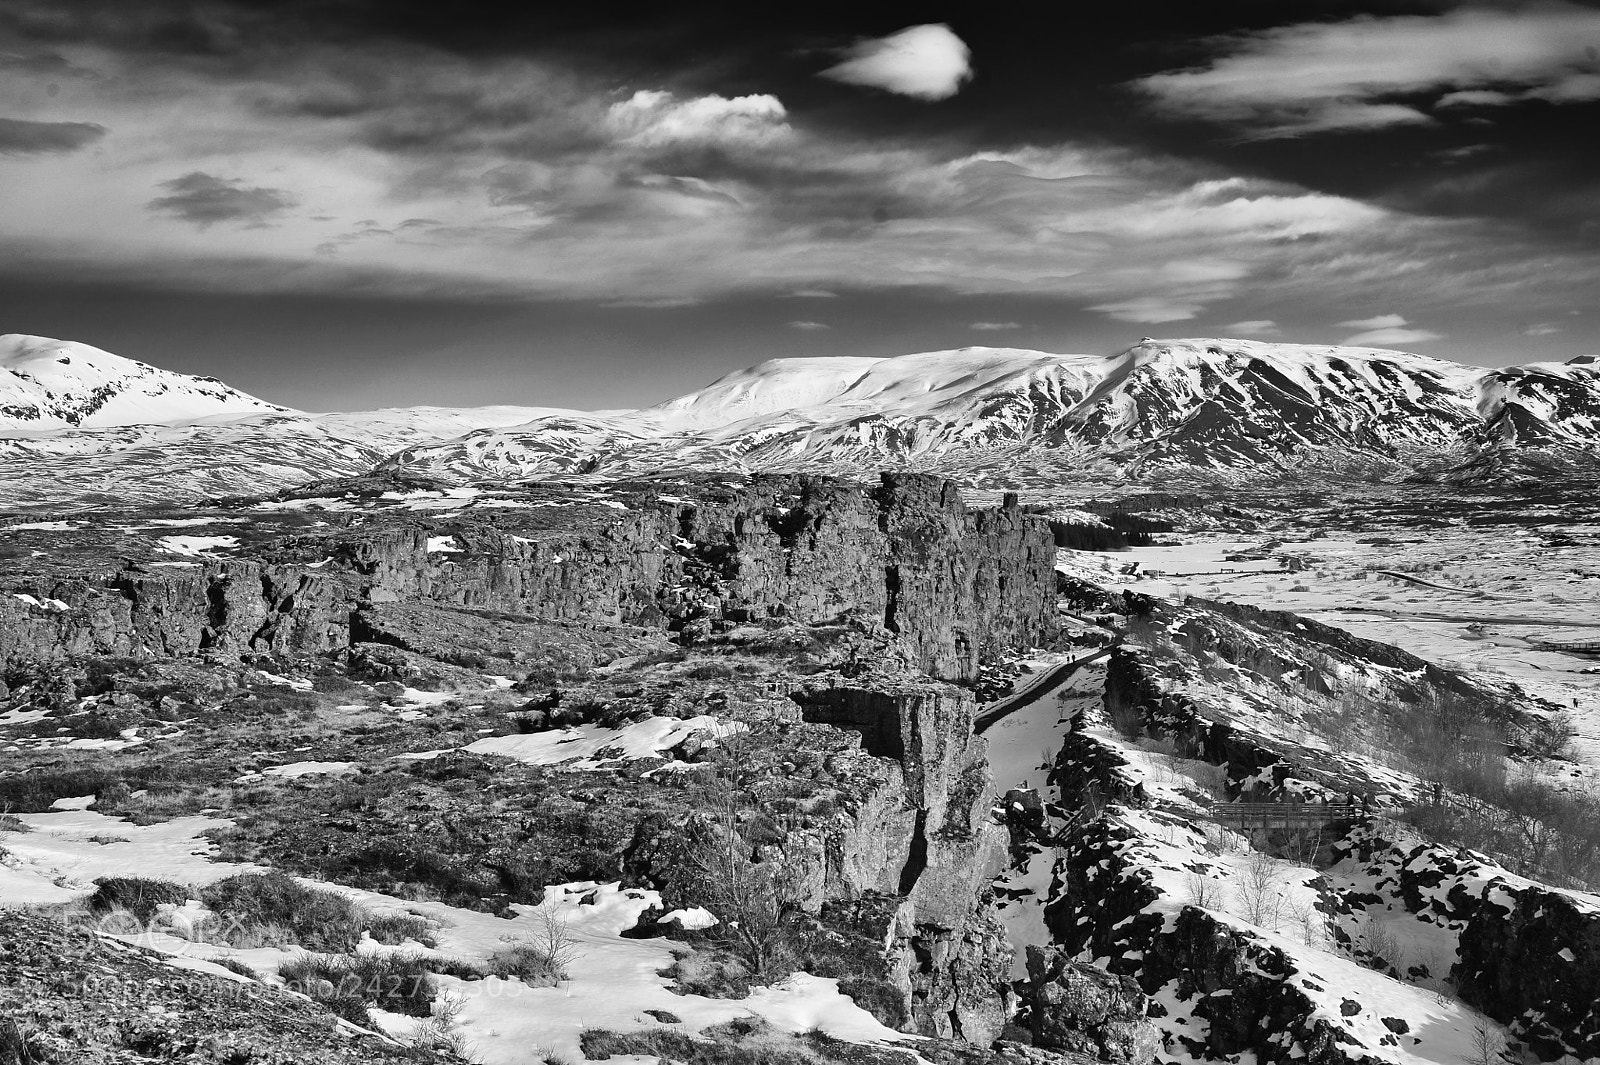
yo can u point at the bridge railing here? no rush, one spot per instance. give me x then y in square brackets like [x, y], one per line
[1287, 811]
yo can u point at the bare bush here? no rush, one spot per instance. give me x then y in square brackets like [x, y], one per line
[541, 959]
[1204, 892]
[754, 900]
[1260, 900]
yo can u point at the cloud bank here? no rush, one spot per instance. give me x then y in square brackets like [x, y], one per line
[1350, 75]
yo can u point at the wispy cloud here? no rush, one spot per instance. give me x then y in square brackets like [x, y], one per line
[1386, 330]
[1382, 321]
[807, 326]
[926, 62]
[653, 118]
[1149, 309]
[20, 136]
[994, 327]
[1322, 76]
[206, 200]
[1261, 327]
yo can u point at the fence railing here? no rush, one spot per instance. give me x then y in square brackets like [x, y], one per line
[1300, 812]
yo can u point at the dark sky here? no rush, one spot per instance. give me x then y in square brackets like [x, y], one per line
[348, 203]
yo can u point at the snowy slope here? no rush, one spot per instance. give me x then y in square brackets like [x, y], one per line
[1226, 405]
[55, 384]
[221, 456]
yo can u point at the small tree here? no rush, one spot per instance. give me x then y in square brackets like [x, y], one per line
[754, 900]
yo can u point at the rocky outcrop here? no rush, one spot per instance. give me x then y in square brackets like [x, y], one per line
[946, 586]
[148, 612]
[1527, 955]
[1136, 699]
[925, 837]
[1238, 993]
[1087, 1010]
[1530, 957]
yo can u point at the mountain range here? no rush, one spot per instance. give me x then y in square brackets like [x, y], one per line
[79, 425]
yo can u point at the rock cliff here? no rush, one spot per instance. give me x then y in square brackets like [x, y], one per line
[926, 839]
[947, 586]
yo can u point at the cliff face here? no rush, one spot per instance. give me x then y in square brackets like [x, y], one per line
[948, 585]
[926, 839]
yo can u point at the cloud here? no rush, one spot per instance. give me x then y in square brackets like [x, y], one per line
[1256, 327]
[813, 294]
[993, 327]
[206, 200]
[1382, 321]
[653, 118]
[1323, 76]
[1391, 337]
[808, 326]
[1541, 329]
[20, 136]
[1149, 309]
[926, 62]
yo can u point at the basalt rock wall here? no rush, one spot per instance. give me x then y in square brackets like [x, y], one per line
[925, 838]
[948, 585]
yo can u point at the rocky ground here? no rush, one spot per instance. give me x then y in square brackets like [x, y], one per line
[689, 769]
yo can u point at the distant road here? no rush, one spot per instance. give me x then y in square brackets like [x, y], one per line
[1038, 686]
[1436, 615]
[1442, 587]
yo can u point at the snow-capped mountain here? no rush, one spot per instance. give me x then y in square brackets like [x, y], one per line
[80, 426]
[55, 384]
[994, 414]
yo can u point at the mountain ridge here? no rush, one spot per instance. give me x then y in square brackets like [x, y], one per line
[1216, 404]
[107, 429]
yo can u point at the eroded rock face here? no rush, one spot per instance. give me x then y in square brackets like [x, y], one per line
[926, 836]
[947, 585]
[1087, 1010]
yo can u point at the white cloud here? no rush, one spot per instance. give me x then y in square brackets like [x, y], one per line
[808, 326]
[1541, 329]
[927, 62]
[1255, 327]
[1382, 321]
[993, 327]
[1343, 75]
[813, 294]
[653, 118]
[1149, 309]
[1383, 338]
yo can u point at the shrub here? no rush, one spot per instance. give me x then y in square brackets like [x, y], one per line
[13, 823]
[347, 984]
[878, 997]
[540, 960]
[394, 929]
[234, 965]
[18, 1047]
[316, 920]
[32, 793]
[136, 895]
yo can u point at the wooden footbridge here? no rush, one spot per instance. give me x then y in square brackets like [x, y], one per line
[1588, 646]
[1251, 815]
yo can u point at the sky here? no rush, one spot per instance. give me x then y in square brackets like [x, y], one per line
[340, 204]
